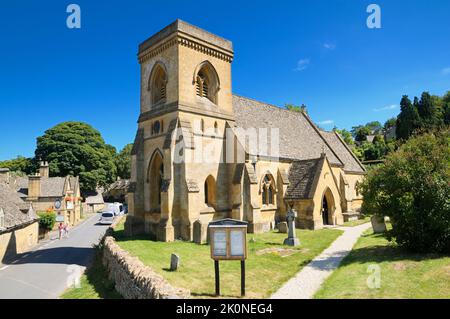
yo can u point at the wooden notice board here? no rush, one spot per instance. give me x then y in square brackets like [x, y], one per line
[228, 242]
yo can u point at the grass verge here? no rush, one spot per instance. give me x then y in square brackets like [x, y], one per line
[94, 283]
[266, 268]
[402, 274]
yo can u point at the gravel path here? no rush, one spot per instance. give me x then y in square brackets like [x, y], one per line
[308, 281]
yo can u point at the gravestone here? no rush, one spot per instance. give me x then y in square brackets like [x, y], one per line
[282, 227]
[378, 224]
[174, 262]
[292, 240]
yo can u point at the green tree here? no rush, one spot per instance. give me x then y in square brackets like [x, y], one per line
[75, 148]
[408, 119]
[123, 162]
[360, 132]
[374, 126]
[446, 108]
[428, 111]
[412, 189]
[390, 123]
[20, 165]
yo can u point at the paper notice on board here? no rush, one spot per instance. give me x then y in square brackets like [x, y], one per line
[237, 242]
[220, 243]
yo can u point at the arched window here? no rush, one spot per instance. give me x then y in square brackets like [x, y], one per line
[210, 191]
[268, 190]
[216, 128]
[158, 84]
[206, 81]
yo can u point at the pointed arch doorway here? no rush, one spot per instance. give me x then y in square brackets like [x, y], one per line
[327, 209]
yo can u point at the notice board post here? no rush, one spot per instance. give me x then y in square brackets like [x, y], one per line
[228, 241]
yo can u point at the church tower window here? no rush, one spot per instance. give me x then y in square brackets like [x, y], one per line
[158, 84]
[206, 82]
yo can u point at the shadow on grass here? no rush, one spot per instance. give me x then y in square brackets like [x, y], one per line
[97, 276]
[386, 253]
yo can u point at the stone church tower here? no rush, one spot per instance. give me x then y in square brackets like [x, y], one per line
[185, 88]
[195, 157]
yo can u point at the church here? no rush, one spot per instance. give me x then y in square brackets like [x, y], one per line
[202, 153]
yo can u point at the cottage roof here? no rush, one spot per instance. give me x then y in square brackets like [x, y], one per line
[50, 186]
[16, 211]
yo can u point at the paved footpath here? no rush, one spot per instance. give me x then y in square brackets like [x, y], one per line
[45, 272]
[308, 281]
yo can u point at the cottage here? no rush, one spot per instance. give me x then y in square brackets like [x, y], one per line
[59, 194]
[18, 222]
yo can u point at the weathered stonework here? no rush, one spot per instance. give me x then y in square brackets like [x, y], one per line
[170, 199]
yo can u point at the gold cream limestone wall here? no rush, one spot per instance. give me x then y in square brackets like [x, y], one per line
[183, 212]
[18, 241]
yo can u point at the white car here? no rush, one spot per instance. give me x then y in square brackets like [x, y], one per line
[107, 218]
[116, 208]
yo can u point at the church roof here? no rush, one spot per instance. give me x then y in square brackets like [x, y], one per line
[351, 162]
[301, 178]
[15, 210]
[299, 138]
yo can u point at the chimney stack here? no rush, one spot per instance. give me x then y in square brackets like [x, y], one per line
[44, 170]
[34, 186]
[4, 175]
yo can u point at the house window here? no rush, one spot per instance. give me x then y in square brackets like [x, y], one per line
[268, 190]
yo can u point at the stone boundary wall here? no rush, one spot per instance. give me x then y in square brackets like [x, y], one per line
[134, 280]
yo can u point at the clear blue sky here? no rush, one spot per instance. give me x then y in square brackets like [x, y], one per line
[320, 53]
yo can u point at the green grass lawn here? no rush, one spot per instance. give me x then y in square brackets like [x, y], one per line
[94, 283]
[265, 273]
[358, 222]
[403, 274]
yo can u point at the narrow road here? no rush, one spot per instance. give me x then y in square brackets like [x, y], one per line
[308, 280]
[44, 273]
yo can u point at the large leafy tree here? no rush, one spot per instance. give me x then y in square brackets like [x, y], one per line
[361, 132]
[446, 108]
[408, 119]
[412, 188]
[123, 162]
[20, 165]
[75, 148]
[428, 111]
